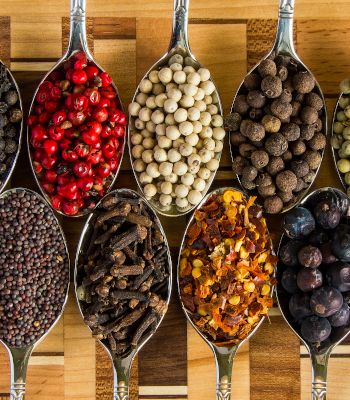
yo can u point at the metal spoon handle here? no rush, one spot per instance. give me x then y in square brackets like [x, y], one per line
[284, 38]
[319, 376]
[77, 38]
[121, 379]
[179, 36]
[224, 362]
[19, 359]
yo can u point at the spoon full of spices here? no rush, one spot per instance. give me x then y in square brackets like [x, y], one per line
[76, 127]
[226, 267]
[278, 124]
[123, 278]
[34, 278]
[176, 126]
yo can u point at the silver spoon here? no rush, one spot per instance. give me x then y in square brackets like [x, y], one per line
[20, 133]
[179, 44]
[284, 45]
[77, 42]
[19, 356]
[121, 366]
[319, 357]
[224, 355]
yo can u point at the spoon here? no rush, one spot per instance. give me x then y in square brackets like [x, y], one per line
[224, 354]
[179, 44]
[319, 356]
[19, 356]
[284, 45]
[121, 365]
[20, 130]
[77, 43]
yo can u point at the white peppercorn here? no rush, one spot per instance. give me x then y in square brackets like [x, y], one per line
[179, 77]
[145, 114]
[200, 105]
[174, 155]
[172, 132]
[176, 58]
[160, 155]
[219, 145]
[185, 149]
[165, 200]
[204, 173]
[197, 126]
[194, 197]
[192, 139]
[187, 179]
[209, 143]
[160, 100]
[186, 128]
[134, 109]
[208, 100]
[172, 178]
[219, 133]
[165, 168]
[153, 77]
[151, 126]
[137, 151]
[199, 95]
[147, 157]
[178, 142]
[206, 132]
[212, 164]
[139, 165]
[190, 90]
[150, 102]
[166, 187]
[150, 190]
[194, 114]
[170, 106]
[217, 120]
[204, 74]
[180, 115]
[145, 133]
[181, 190]
[160, 129]
[148, 143]
[136, 138]
[180, 168]
[181, 202]
[175, 67]
[174, 94]
[141, 98]
[145, 86]
[193, 169]
[153, 170]
[170, 120]
[208, 87]
[165, 75]
[193, 78]
[205, 118]
[164, 142]
[186, 101]
[189, 67]
[145, 178]
[212, 109]
[139, 124]
[199, 184]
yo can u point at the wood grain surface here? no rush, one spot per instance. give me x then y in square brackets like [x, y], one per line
[127, 37]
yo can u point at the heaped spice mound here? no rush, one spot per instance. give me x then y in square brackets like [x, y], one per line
[123, 275]
[10, 123]
[278, 133]
[76, 135]
[34, 268]
[226, 268]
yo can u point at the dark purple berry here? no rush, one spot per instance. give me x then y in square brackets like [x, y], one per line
[288, 253]
[338, 276]
[327, 214]
[289, 280]
[341, 317]
[309, 279]
[299, 306]
[341, 242]
[310, 256]
[318, 237]
[326, 301]
[315, 329]
[298, 223]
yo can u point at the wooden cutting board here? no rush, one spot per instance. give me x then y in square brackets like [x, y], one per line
[127, 37]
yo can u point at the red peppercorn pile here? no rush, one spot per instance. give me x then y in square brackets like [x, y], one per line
[77, 133]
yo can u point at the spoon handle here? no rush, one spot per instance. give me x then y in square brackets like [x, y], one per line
[319, 376]
[284, 38]
[19, 359]
[77, 38]
[121, 378]
[179, 37]
[224, 358]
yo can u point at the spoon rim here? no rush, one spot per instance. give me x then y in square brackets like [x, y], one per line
[79, 253]
[177, 49]
[42, 199]
[324, 129]
[186, 312]
[283, 237]
[20, 131]
[57, 65]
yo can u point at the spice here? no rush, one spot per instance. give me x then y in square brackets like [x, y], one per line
[226, 267]
[123, 276]
[279, 113]
[77, 133]
[34, 268]
[10, 123]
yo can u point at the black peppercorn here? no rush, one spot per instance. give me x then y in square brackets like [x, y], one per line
[232, 121]
[15, 115]
[11, 97]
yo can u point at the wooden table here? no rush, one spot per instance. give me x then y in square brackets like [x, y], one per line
[127, 37]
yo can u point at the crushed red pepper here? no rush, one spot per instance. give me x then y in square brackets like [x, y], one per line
[226, 268]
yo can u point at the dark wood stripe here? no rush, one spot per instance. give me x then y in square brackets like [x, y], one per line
[48, 354]
[111, 28]
[5, 43]
[217, 21]
[269, 350]
[333, 356]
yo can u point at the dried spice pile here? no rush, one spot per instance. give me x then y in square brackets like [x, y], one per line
[10, 121]
[123, 276]
[34, 268]
[226, 268]
[277, 133]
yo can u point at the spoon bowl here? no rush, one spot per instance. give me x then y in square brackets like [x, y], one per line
[19, 356]
[224, 352]
[77, 44]
[319, 355]
[121, 365]
[284, 46]
[178, 45]
[19, 131]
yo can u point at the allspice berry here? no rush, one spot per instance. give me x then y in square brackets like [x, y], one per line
[271, 124]
[318, 125]
[255, 131]
[246, 150]
[255, 114]
[263, 179]
[249, 173]
[300, 168]
[280, 109]
[271, 86]
[267, 191]
[318, 142]
[286, 197]
[286, 96]
[252, 81]
[301, 185]
[238, 164]
[244, 125]
[291, 132]
[240, 105]
[298, 147]
[249, 185]
[303, 82]
[273, 205]
[287, 156]
[309, 115]
[286, 181]
[232, 121]
[259, 159]
[267, 67]
[275, 165]
[307, 132]
[256, 99]
[313, 158]
[314, 100]
[237, 138]
[276, 144]
[296, 107]
[282, 72]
